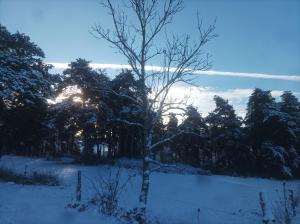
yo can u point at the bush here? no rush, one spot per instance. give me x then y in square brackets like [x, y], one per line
[9, 175]
[35, 178]
[108, 190]
[134, 215]
[44, 179]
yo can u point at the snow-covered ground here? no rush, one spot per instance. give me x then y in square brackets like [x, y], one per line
[173, 198]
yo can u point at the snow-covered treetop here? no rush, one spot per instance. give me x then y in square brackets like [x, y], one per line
[24, 77]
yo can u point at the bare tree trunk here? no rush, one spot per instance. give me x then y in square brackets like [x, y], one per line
[136, 42]
[144, 190]
[146, 141]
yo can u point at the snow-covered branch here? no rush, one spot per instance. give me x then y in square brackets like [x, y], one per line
[159, 164]
[127, 122]
[165, 140]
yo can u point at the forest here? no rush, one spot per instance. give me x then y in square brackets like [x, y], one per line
[95, 128]
[86, 114]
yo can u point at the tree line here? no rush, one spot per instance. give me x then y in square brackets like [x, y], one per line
[100, 121]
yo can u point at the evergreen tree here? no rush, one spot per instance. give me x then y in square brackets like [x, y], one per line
[192, 142]
[290, 129]
[161, 152]
[226, 138]
[25, 85]
[64, 120]
[260, 106]
[270, 135]
[172, 124]
[291, 107]
[124, 99]
[93, 84]
[94, 87]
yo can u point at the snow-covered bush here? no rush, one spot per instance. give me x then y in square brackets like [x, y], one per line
[108, 190]
[135, 216]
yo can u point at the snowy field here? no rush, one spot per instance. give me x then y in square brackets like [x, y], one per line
[173, 198]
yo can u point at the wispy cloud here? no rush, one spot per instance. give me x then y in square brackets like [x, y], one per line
[210, 72]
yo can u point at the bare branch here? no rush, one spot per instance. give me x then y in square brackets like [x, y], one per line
[181, 59]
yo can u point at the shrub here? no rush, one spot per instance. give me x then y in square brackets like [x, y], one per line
[108, 190]
[44, 179]
[34, 178]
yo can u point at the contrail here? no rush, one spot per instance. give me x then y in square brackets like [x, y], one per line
[199, 72]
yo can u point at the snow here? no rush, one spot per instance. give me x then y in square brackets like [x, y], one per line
[173, 198]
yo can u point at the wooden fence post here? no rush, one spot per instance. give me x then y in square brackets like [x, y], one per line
[198, 216]
[78, 187]
[25, 170]
[267, 216]
[292, 201]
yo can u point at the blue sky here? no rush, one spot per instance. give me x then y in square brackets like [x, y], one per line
[255, 36]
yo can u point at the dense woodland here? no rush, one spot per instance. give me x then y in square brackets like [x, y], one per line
[96, 124]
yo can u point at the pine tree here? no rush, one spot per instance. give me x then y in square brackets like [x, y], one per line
[270, 135]
[64, 120]
[226, 138]
[92, 107]
[290, 105]
[290, 137]
[192, 142]
[172, 124]
[93, 84]
[123, 98]
[161, 152]
[25, 85]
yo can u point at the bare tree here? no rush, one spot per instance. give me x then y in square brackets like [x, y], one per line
[181, 57]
